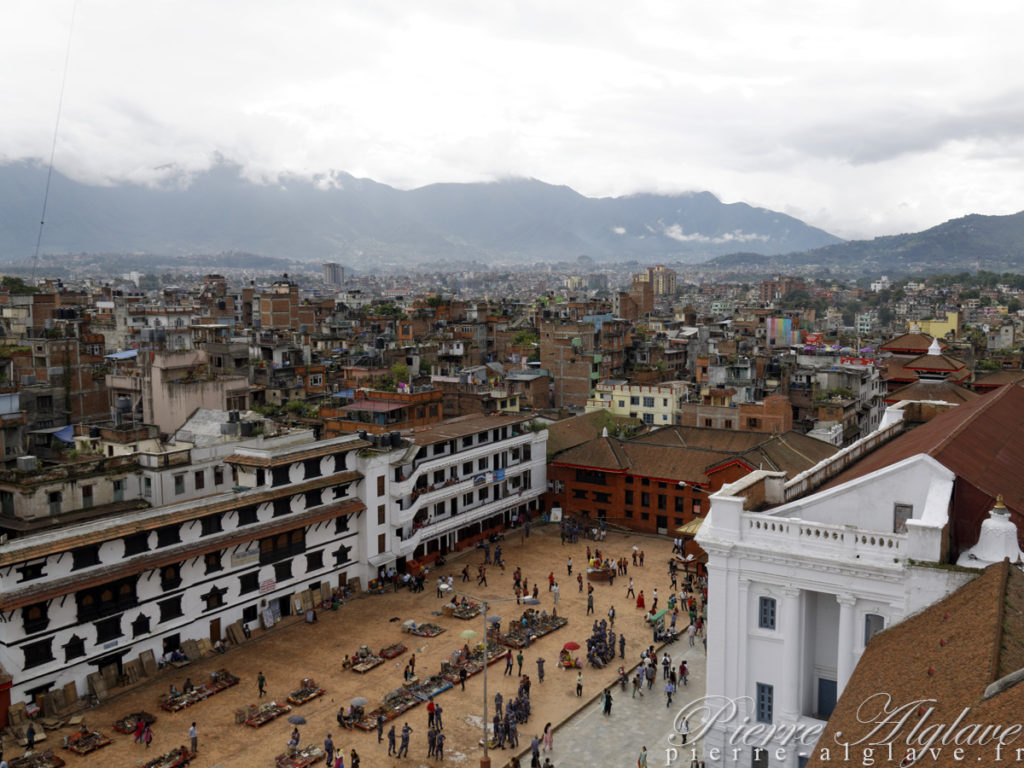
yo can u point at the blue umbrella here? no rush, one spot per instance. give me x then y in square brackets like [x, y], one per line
[297, 720]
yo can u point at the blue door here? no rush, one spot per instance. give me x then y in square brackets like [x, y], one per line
[826, 697]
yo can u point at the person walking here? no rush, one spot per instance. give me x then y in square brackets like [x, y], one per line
[641, 761]
[465, 573]
[590, 604]
[554, 593]
[431, 708]
[579, 685]
[193, 738]
[608, 702]
[481, 578]
[579, 581]
[622, 646]
[611, 619]
[669, 690]
[380, 728]
[462, 677]
[551, 581]
[684, 729]
[508, 662]
[630, 592]
[640, 600]
[654, 604]
[391, 741]
[140, 726]
[431, 742]
[437, 718]
[329, 749]
[691, 632]
[147, 736]
[261, 685]
[30, 737]
[519, 661]
[535, 747]
[540, 668]
[666, 665]
[548, 739]
[568, 566]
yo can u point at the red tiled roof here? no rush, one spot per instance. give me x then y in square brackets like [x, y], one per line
[945, 391]
[945, 657]
[978, 441]
[911, 342]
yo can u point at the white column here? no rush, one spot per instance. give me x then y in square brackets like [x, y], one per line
[788, 689]
[743, 610]
[847, 628]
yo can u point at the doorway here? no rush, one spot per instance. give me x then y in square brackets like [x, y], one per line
[215, 630]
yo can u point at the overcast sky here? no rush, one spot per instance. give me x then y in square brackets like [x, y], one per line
[863, 118]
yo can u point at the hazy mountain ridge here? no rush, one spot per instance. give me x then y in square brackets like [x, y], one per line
[994, 243]
[344, 218]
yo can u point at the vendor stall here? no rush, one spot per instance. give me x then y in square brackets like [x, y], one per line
[127, 723]
[219, 681]
[257, 717]
[84, 742]
[307, 691]
[173, 759]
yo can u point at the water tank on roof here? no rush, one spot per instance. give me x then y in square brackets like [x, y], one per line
[361, 433]
[123, 404]
[248, 428]
[26, 463]
[396, 439]
[94, 431]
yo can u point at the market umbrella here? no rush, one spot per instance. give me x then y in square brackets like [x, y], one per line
[571, 646]
[493, 619]
[359, 701]
[531, 601]
[297, 720]
[468, 634]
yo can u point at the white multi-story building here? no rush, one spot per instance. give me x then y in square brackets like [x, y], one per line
[104, 590]
[462, 477]
[798, 584]
[107, 582]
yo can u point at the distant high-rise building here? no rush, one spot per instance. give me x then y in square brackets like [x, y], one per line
[661, 278]
[334, 274]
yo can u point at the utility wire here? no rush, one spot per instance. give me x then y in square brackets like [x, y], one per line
[53, 145]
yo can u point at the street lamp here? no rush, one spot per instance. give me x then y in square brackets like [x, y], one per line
[485, 761]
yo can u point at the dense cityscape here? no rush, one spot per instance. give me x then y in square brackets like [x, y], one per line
[194, 466]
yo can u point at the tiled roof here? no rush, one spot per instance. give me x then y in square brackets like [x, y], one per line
[282, 459]
[999, 379]
[911, 342]
[895, 368]
[577, 430]
[945, 391]
[945, 657]
[791, 453]
[461, 426]
[934, 363]
[979, 441]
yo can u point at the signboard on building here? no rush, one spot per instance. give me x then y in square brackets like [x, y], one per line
[245, 557]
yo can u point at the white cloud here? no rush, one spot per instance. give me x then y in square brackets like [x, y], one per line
[619, 230]
[675, 232]
[862, 119]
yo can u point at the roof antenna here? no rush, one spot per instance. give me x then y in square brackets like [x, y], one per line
[53, 145]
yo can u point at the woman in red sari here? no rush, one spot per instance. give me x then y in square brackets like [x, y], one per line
[640, 600]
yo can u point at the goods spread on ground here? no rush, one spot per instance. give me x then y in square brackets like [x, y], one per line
[466, 611]
[537, 625]
[45, 759]
[127, 723]
[82, 743]
[393, 650]
[364, 660]
[422, 630]
[307, 691]
[259, 716]
[301, 757]
[219, 681]
[173, 759]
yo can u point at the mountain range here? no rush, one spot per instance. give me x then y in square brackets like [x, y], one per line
[363, 223]
[993, 243]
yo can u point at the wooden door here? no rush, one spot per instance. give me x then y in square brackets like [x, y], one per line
[214, 630]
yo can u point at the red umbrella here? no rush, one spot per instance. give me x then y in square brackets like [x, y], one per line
[571, 646]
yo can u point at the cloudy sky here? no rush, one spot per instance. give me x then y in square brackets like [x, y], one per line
[863, 118]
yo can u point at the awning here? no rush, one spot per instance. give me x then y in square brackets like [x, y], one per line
[691, 528]
[64, 434]
[124, 355]
[374, 406]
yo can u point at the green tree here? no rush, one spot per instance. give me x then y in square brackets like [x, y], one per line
[16, 286]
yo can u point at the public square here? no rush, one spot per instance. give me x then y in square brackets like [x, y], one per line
[294, 649]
